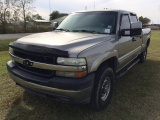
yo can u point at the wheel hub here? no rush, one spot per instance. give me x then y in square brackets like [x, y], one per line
[105, 90]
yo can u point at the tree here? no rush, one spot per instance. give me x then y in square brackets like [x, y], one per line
[37, 17]
[29, 17]
[56, 14]
[5, 13]
[25, 8]
[144, 20]
[16, 16]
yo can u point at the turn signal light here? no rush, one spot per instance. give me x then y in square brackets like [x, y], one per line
[81, 74]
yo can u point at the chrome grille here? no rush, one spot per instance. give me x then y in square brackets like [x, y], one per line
[35, 58]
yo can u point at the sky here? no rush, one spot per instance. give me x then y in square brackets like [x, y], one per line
[145, 8]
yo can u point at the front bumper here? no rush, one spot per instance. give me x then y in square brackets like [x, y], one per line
[59, 88]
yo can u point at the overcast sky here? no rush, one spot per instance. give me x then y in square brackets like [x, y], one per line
[145, 8]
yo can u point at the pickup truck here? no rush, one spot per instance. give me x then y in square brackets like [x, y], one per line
[81, 59]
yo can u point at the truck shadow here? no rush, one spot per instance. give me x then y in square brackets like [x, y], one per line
[133, 88]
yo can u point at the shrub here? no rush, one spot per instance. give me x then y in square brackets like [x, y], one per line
[30, 29]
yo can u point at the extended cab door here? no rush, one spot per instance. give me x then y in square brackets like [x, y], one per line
[125, 42]
[137, 40]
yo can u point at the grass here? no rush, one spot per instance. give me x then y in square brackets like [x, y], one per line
[4, 44]
[136, 95]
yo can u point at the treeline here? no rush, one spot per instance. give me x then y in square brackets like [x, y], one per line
[15, 10]
[10, 29]
[20, 11]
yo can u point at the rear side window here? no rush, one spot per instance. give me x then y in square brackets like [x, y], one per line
[125, 23]
[133, 18]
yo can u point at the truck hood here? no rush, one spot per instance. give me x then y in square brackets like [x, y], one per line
[71, 42]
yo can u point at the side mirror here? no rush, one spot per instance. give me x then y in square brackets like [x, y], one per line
[55, 25]
[136, 29]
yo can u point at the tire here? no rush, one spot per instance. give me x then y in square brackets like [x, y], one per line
[143, 56]
[103, 89]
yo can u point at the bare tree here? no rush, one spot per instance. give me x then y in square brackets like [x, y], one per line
[5, 13]
[16, 16]
[24, 7]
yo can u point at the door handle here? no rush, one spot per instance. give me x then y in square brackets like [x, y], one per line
[133, 39]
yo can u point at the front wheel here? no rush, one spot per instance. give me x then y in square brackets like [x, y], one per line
[103, 89]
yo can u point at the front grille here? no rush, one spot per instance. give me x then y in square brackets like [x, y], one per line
[35, 58]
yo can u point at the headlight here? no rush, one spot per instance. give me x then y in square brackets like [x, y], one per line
[11, 50]
[71, 61]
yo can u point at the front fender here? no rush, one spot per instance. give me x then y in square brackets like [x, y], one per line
[99, 53]
[97, 62]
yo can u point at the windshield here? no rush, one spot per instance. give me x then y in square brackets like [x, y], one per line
[95, 22]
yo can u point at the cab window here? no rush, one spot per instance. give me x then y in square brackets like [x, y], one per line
[133, 18]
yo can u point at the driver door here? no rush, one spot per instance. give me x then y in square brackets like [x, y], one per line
[126, 51]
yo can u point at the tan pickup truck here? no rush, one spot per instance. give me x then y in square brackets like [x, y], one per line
[82, 58]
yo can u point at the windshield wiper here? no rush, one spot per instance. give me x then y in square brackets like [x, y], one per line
[88, 31]
[63, 29]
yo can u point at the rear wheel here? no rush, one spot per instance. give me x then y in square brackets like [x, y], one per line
[143, 56]
[103, 89]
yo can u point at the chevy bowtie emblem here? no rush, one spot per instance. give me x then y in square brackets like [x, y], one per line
[27, 63]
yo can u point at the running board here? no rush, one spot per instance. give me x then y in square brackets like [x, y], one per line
[127, 68]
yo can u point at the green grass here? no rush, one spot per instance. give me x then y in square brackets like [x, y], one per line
[4, 44]
[136, 95]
